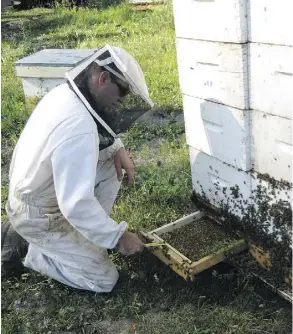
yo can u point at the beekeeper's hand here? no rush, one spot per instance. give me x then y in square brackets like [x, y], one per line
[122, 160]
[129, 244]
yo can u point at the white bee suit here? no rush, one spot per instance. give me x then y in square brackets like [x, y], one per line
[63, 181]
[52, 201]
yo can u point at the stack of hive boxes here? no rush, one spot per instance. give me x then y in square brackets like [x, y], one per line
[235, 71]
[271, 86]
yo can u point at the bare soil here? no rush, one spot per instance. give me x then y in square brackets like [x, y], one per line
[199, 239]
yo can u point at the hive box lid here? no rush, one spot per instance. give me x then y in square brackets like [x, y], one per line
[50, 63]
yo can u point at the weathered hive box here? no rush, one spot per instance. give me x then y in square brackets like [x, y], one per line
[271, 78]
[222, 21]
[254, 76]
[214, 71]
[46, 69]
[209, 127]
[218, 183]
[235, 21]
[244, 139]
[271, 149]
[270, 21]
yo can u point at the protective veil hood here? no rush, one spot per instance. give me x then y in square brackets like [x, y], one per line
[122, 65]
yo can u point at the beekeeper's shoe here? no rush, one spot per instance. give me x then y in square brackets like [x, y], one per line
[13, 249]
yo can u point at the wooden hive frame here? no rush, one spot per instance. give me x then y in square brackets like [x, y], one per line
[177, 261]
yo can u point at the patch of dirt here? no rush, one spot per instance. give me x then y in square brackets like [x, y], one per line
[199, 239]
[162, 117]
[10, 30]
[120, 326]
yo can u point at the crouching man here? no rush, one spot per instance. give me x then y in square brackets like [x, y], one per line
[67, 168]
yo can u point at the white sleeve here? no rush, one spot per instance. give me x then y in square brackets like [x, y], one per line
[113, 149]
[74, 164]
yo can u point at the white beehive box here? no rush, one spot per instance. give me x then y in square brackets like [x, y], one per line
[213, 178]
[271, 79]
[219, 131]
[224, 185]
[212, 20]
[46, 69]
[270, 21]
[272, 150]
[214, 71]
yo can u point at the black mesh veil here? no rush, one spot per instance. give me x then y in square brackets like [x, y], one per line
[111, 121]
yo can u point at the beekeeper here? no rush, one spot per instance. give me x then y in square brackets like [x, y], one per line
[67, 168]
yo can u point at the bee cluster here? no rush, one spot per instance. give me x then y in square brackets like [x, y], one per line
[199, 239]
[264, 219]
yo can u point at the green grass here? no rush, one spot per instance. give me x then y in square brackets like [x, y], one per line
[161, 189]
[149, 298]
